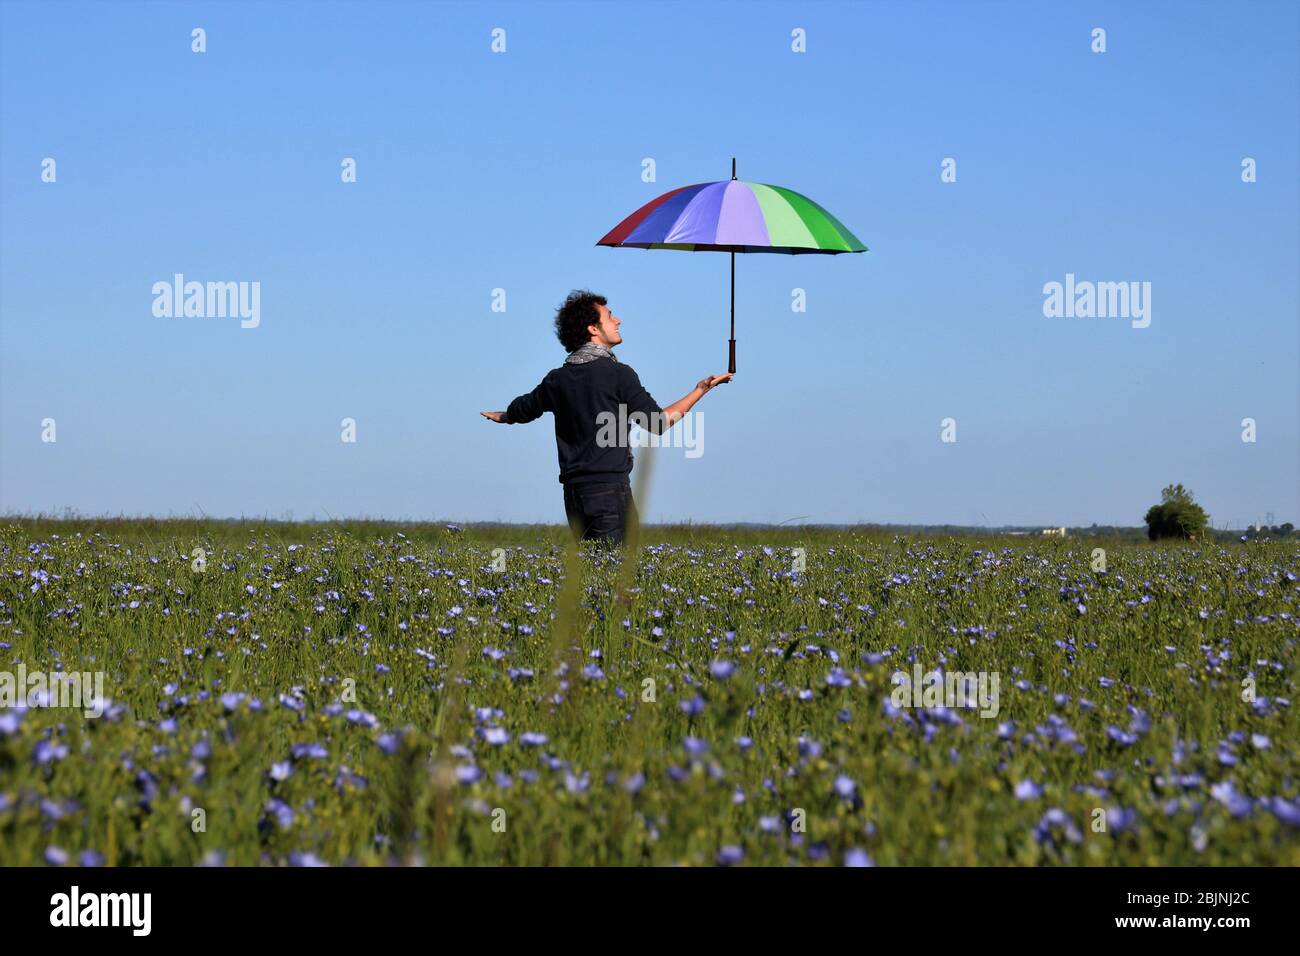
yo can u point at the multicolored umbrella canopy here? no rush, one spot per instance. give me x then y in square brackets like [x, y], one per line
[734, 216]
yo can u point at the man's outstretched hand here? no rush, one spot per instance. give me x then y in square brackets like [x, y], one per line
[705, 384]
[498, 417]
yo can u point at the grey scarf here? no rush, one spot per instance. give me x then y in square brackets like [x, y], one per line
[588, 353]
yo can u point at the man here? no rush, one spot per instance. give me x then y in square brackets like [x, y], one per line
[584, 394]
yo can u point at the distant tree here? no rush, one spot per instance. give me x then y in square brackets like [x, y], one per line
[1270, 531]
[1177, 515]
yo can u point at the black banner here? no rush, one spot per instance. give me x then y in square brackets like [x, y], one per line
[337, 905]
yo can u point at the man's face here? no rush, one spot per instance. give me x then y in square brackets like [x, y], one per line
[606, 333]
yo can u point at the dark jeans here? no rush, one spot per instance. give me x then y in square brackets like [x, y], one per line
[599, 511]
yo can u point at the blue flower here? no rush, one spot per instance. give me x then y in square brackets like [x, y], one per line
[857, 857]
[10, 718]
[809, 747]
[1028, 790]
[305, 859]
[346, 778]
[695, 746]
[282, 812]
[837, 678]
[1238, 804]
[721, 670]
[468, 773]
[1123, 738]
[1288, 811]
[45, 752]
[730, 855]
[1055, 820]
[1120, 819]
[311, 751]
[355, 716]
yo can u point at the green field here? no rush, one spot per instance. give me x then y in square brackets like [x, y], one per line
[373, 694]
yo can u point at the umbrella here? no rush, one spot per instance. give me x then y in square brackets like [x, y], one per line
[734, 216]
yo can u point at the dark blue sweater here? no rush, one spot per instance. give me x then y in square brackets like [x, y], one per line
[576, 394]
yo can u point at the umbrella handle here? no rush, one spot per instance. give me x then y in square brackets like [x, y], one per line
[731, 364]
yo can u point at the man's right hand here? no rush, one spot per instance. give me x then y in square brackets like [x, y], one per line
[499, 417]
[705, 384]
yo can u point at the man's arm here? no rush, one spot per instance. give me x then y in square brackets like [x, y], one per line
[660, 420]
[678, 409]
[525, 408]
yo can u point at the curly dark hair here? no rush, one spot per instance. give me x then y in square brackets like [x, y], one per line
[572, 318]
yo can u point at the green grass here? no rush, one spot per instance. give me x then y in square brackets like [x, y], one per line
[408, 611]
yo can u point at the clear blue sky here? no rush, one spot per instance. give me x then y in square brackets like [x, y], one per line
[479, 170]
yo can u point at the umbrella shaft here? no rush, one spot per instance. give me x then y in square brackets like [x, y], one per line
[731, 363]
